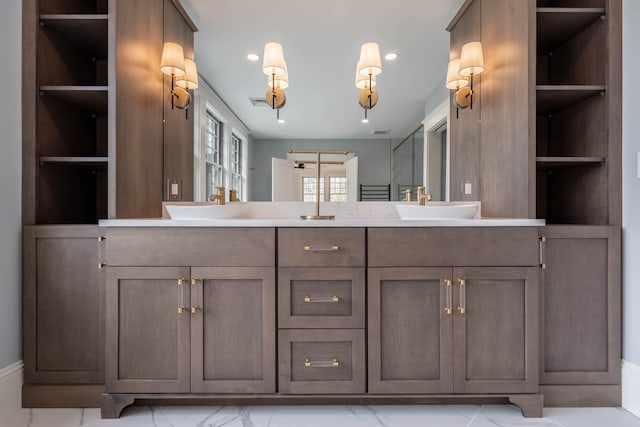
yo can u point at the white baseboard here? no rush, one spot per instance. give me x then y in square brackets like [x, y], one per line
[631, 387]
[11, 389]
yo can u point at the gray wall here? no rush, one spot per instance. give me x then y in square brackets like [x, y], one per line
[631, 182]
[437, 95]
[10, 190]
[373, 159]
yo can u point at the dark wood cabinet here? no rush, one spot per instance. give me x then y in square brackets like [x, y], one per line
[581, 345]
[199, 330]
[62, 312]
[190, 329]
[578, 111]
[147, 339]
[63, 326]
[93, 148]
[321, 310]
[460, 330]
[410, 333]
[495, 329]
[233, 330]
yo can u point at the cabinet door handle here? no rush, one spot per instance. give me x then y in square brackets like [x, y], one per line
[321, 363]
[448, 307]
[195, 281]
[334, 298]
[332, 248]
[195, 309]
[182, 281]
[463, 296]
[541, 242]
[181, 309]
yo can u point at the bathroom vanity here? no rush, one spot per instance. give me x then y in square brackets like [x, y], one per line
[317, 312]
[357, 310]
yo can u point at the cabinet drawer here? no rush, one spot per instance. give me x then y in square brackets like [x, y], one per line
[453, 246]
[190, 246]
[318, 361]
[321, 247]
[321, 297]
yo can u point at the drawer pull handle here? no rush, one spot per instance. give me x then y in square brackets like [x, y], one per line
[449, 297]
[463, 296]
[334, 298]
[333, 248]
[321, 363]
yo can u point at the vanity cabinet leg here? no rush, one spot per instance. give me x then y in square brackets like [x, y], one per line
[530, 404]
[111, 406]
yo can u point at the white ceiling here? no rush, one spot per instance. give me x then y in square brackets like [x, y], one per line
[321, 41]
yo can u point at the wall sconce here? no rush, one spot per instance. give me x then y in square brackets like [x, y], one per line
[471, 63]
[274, 66]
[368, 97]
[369, 65]
[183, 72]
[277, 86]
[459, 83]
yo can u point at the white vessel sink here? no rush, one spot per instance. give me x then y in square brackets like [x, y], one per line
[191, 212]
[436, 212]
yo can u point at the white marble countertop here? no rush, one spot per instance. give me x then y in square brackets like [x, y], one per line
[351, 222]
[287, 214]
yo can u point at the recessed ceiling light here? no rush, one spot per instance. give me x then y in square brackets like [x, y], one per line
[391, 56]
[253, 56]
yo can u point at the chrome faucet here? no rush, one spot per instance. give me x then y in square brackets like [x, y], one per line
[218, 197]
[423, 196]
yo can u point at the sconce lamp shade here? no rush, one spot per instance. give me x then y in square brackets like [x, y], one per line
[362, 81]
[370, 62]
[281, 82]
[471, 59]
[172, 62]
[190, 79]
[455, 80]
[273, 59]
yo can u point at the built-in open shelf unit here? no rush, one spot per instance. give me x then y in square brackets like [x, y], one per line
[72, 84]
[574, 142]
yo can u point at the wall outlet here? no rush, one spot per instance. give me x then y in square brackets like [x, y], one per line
[174, 189]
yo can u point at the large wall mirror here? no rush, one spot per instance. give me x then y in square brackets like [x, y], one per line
[321, 44]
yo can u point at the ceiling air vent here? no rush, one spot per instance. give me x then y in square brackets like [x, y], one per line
[258, 102]
[380, 132]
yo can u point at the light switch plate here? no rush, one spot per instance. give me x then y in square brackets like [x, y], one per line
[174, 189]
[467, 188]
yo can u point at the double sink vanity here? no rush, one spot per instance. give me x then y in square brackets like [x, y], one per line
[246, 303]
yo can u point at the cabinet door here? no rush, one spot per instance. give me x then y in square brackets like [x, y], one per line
[233, 330]
[581, 305]
[495, 329]
[62, 305]
[147, 332]
[409, 330]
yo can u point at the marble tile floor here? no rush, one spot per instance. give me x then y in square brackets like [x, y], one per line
[323, 416]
